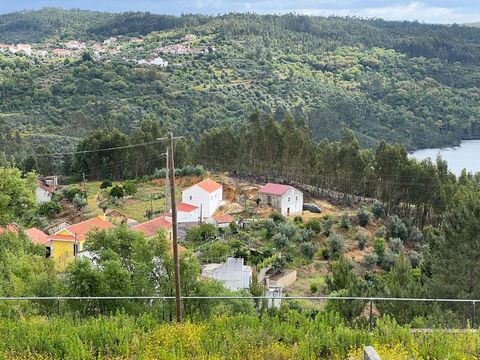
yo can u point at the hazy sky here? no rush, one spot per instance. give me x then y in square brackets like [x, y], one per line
[431, 11]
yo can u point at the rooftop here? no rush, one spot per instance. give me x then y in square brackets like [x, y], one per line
[274, 189]
[37, 236]
[208, 185]
[151, 227]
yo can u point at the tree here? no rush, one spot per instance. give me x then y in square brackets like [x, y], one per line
[455, 265]
[17, 195]
[117, 192]
[106, 184]
[79, 201]
[130, 188]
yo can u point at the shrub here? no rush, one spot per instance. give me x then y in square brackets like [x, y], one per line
[106, 184]
[345, 221]
[415, 236]
[313, 288]
[130, 188]
[327, 226]
[379, 247]
[280, 240]
[336, 244]
[308, 250]
[286, 229]
[313, 224]
[117, 192]
[306, 235]
[388, 260]
[415, 258]
[378, 210]
[370, 261]
[70, 191]
[362, 241]
[277, 217]
[364, 217]
[79, 201]
[380, 232]
[201, 233]
[396, 228]
[49, 209]
[395, 245]
[298, 220]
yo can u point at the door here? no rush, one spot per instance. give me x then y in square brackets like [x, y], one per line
[288, 211]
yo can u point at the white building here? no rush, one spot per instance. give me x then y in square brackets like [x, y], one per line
[207, 195]
[187, 213]
[45, 188]
[234, 274]
[284, 198]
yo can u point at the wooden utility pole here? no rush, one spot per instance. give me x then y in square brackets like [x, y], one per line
[171, 170]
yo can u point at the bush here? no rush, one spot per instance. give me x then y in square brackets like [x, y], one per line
[380, 232]
[379, 247]
[49, 209]
[388, 260]
[370, 261]
[327, 226]
[286, 229]
[79, 201]
[364, 217]
[395, 245]
[345, 221]
[378, 210]
[106, 184]
[280, 240]
[306, 235]
[396, 228]
[313, 224]
[298, 220]
[313, 288]
[130, 188]
[308, 250]
[117, 192]
[415, 236]
[362, 241]
[201, 233]
[277, 217]
[336, 244]
[415, 258]
[70, 191]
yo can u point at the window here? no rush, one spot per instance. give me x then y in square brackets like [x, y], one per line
[296, 198]
[190, 197]
[288, 199]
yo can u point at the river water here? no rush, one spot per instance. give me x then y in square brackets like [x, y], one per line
[465, 156]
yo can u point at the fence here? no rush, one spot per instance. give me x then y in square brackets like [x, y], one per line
[464, 309]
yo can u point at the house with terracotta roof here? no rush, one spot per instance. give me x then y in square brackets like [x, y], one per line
[37, 236]
[207, 195]
[13, 228]
[285, 199]
[150, 229]
[45, 188]
[65, 244]
[222, 221]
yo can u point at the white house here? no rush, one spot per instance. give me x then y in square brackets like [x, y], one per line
[207, 195]
[187, 213]
[44, 192]
[284, 198]
[233, 273]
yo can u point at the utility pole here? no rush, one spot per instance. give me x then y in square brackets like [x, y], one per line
[85, 187]
[166, 185]
[171, 170]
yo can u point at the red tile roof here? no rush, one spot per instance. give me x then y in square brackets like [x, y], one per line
[61, 237]
[150, 228]
[184, 207]
[274, 189]
[14, 228]
[37, 236]
[83, 228]
[208, 185]
[223, 219]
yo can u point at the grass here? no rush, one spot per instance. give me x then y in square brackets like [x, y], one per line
[135, 206]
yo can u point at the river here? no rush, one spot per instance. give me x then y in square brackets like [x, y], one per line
[465, 156]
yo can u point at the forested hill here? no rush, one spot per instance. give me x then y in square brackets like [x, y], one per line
[405, 82]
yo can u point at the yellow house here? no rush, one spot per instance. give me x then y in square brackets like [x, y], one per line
[65, 244]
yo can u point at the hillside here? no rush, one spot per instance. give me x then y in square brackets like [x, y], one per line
[407, 83]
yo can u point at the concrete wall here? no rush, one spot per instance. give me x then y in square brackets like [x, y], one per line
[369, 353]
[208, 202]
[290, 203]
[188, 217]
[42, 195]
[233, 274]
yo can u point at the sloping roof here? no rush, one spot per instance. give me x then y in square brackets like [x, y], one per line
[151, 227]
[45, 187]
[37, 236]
[184, 207]
[274, 189]
[208, 185]
[83, 228]
[223, 219]
[13, 228]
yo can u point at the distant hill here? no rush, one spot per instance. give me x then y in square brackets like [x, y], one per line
[405, 82]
